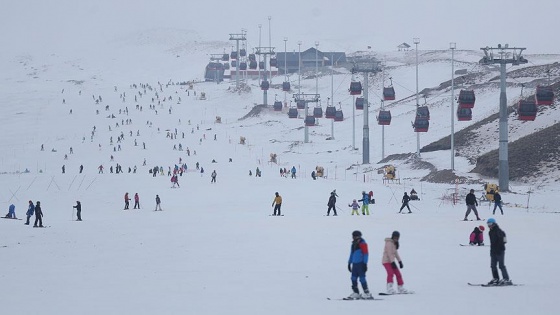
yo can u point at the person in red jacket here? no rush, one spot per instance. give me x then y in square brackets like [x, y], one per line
[477, 236]
[357, 265]
[126, 201]
[136, 201]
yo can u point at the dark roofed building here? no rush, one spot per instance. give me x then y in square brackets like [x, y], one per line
[309, 59]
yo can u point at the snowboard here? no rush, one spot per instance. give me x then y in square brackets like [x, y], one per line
[347, 299]
[11, 218]
[472, 245]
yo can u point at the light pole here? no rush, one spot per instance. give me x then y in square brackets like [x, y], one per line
[285, 68]
[416, 41]
[260, 29]
[269, 45]
[317, 67]
[299, 67]
[452, 46]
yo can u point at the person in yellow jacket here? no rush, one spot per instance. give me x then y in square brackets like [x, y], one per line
[277, 204]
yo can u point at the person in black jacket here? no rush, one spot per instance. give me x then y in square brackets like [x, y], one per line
[497, 253]
[497, 203]
[405, 200]
[38, 215]
[471, 205]
[78, 207]
[332, 203]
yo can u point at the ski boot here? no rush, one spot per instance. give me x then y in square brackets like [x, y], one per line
[354, 296]
[494, 282]
[367, 296]
[505, 282]
[402, 290]
[390, 289]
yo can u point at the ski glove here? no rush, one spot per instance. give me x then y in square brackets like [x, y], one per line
[394, 265]
[350, 267]
[401, 264]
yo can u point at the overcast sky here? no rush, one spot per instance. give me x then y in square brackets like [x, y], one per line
[42, 25]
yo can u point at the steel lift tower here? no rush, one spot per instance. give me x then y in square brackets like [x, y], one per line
[307, 98]
[237, 38]
[265, 51]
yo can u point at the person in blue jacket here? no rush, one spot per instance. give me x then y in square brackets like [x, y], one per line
[365, 203]
[11, 212]
[357, 265]
[293, 172]
[30, 211]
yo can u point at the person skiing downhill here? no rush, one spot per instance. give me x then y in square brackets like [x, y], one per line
[405, 200]
[78, 207]
[158, 203]
[277, 203]
[357, 265]
[38, 215]
[477, 236]
[497, 203]
[497, 253]
[30, 211]
[390, 253]
[331, 204]
[471, 202]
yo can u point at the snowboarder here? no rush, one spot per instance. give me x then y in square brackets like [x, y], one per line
[213, 175]
[332, 203]
[477, 236]
[158, 203]
[126, 201]
[11, 212]
[365, 203]
[38, 215]
[136, 201]
[277, 203]
[78, 208]
[355, 207]
[357, 265]
[471, 205]
[497, 253]
[498, 203]
[414, 195]
[390, 253]
[30, 211]
[405, 200]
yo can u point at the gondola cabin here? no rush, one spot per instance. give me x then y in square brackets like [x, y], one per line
[423, 112]
[355, 88]
[242, 52]
[360, 103]
[265, 85]
[252, 64]
[225, 57]
[464, 113]
[286, 86]
[234, 63]
[544, 95]
[421, 124]
[330, 112]
[277, 106]
[252, 57]
[389, 93]
[466, 99]
[310, 121]
[527, 110]
[292, 112]
[384, 118]
[242, 65]
[226, 65]
[233, 55]
[300, 104]
[273, 62]
[318, 112]
[339, 115]
[261, 65]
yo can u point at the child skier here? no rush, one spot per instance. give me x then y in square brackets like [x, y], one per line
[477, 236]
[390, 253]
[355, 207]
[357, 265]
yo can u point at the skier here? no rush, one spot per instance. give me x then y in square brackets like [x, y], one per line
[357, 265]
[355, 207]
[477, 236]
[390, 253]
[78, 208]
[158, 203]
[497, 253]
[38, 215]
[11, 212]
[365, 203]
[175, 181]
[136, 201]
[498, 203]
[30, 211]
[332, 203]
[293, 172]
[81, 168]
[213, 175]
[405, 200]
[471, 205]
[313, 175]
[277, 203]
[126, 201]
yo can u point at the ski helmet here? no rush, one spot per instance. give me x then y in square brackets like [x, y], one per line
[356, 234]
[491, 221]
[395, 234]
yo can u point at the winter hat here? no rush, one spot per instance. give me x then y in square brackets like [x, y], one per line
[481, 228]
[491, 221]
[357, 233]
[395, 234]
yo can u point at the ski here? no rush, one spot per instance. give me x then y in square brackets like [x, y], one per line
[384, 293]
[472, 220]
[347, 299]
[40, 227]
[272, 215]
[493, 285]
[472, 245]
